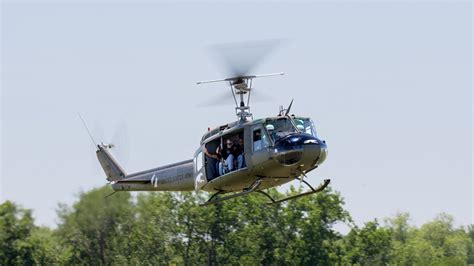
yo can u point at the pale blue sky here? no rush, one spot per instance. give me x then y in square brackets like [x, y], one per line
[388, 85]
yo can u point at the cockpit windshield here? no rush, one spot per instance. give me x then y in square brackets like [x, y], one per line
[279, 127]
[305, 125]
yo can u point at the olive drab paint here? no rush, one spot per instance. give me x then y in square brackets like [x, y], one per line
[263, 153]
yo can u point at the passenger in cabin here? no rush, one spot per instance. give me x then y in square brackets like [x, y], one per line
[241, 161]
[257, 140]
[212, 160]
[227, 158]
[239, 154]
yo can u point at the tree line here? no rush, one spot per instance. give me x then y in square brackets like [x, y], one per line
[171, 229]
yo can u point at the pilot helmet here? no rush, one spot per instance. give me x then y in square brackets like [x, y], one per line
[270, 127]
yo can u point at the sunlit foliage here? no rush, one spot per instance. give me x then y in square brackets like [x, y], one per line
[170, 228]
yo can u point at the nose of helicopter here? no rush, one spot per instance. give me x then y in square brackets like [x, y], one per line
[304, 149]
[323, 153]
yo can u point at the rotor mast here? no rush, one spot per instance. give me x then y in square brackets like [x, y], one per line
[241, 88]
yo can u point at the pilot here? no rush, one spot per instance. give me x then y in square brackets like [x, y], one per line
[227, 162]
[271, 131]
[300, 125]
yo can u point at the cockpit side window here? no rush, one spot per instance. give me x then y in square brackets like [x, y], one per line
[260, 139]
[199, 162]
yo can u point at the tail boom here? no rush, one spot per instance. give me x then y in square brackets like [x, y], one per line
[173, 177]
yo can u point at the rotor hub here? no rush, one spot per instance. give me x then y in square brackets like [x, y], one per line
[241, 88]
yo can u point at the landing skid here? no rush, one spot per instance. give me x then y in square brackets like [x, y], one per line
[312, 191]
[252, 188]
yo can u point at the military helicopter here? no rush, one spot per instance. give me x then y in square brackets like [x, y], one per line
[235, 159]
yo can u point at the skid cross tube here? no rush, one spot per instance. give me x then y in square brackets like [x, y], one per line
[252, 188]
[312, 191]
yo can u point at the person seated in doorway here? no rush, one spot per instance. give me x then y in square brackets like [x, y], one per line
[238, 152]
[227, 158]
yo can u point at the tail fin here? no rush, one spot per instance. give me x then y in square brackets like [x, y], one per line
[111, 168]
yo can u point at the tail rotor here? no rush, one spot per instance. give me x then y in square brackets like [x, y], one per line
[118, 144]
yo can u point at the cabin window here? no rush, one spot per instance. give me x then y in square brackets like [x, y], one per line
[257, 140]
[198, 161]
[260, 140]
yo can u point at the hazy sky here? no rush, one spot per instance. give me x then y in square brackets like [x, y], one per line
[388, 85]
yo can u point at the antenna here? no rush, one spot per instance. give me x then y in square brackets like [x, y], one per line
[289, 108]
[87, 129]
[285, 112]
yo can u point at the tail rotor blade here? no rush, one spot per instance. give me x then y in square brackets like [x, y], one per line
[118, 140]
[121, 141]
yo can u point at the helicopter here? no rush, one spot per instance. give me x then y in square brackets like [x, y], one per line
[235, 159]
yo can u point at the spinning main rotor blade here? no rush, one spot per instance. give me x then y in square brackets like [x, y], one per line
[240, 77]
[239, 59]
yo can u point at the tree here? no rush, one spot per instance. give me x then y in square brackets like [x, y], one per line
[16, 225]
[470, 246]
[46, 248]
[403, 244]
[153, 233]
[435, 243]
[92, 228]
[370, 245]
[308, 228]
[171, 228]
[449, 244]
